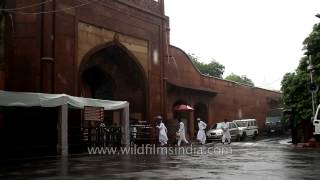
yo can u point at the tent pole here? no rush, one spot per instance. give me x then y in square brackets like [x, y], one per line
[62, 146]
[125, 136]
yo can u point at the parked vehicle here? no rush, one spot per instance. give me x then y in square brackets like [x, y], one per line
[274, 125]
[247, 128]
[215, 132]
[141, 132]
[316, 124]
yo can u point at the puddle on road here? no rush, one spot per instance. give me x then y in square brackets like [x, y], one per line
[249, 160]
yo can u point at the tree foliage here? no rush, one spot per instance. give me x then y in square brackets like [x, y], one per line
[295, 91]
[214, 68]
[241, 79]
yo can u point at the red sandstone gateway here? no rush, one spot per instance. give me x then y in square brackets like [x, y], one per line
[112, 50]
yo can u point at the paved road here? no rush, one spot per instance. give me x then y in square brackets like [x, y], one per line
[265, 159]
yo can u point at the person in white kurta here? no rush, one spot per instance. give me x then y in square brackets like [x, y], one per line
[201, 136]
[163, 138]
[226, 134]
[182, 134]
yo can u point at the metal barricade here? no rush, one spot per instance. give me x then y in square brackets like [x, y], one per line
[141, 134]
[103, 136]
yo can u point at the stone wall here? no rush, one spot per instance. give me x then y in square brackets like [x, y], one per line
[65, 37]
[232, 100]
[91, 37]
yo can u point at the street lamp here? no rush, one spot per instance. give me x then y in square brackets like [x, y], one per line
[313, 87]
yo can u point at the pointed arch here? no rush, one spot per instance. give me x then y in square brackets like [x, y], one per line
[112, 71]
[85, 60]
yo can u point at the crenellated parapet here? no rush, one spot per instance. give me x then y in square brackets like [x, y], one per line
[154, 6]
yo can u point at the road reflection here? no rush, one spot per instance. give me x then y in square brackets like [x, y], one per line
[264, 159]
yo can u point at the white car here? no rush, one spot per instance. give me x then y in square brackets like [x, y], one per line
[247, 128]
[215, 132]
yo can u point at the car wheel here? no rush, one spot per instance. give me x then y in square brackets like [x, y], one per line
[244, 136]
[255, 135]
[238, 138]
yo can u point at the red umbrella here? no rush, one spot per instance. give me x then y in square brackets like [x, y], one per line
[183, 107]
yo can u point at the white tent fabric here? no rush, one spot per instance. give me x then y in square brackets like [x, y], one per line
[27, 99]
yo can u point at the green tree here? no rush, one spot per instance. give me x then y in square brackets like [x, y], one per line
[241, 79]
[295, 91]
[214, 68]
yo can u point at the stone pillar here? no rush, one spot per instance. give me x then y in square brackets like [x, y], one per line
[47, 72]
[191, 125]
[47, 48]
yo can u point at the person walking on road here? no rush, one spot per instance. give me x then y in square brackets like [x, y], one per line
[163, 137]
[201, 136]
[181, 133]
[226, 134]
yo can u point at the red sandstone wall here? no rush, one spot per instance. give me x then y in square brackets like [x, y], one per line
[23, 65]
[233, 101]
[24, 70]
[134, 22]
[139, 19]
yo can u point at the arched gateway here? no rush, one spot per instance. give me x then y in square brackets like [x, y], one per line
[111, 72]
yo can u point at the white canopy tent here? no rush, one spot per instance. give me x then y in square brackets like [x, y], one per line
[27, 99]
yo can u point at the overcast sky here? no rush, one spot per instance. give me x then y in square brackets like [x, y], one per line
[261, 39]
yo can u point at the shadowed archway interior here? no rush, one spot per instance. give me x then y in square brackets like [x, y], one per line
[113, 74]
[184, 116]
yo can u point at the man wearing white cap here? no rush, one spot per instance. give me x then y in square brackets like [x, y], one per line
[181, 132]
[163, 138]
[201, 136]
[226, 134]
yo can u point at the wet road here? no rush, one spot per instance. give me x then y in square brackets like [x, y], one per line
[264, 159]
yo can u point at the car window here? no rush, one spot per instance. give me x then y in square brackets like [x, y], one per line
[241, 123]
[273, 119]
[217, 126]
[230, 125]
[233, 125]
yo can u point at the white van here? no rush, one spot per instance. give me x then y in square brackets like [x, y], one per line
[247, 128]
[316, 122]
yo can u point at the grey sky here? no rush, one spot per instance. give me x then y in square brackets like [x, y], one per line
[261, 39]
